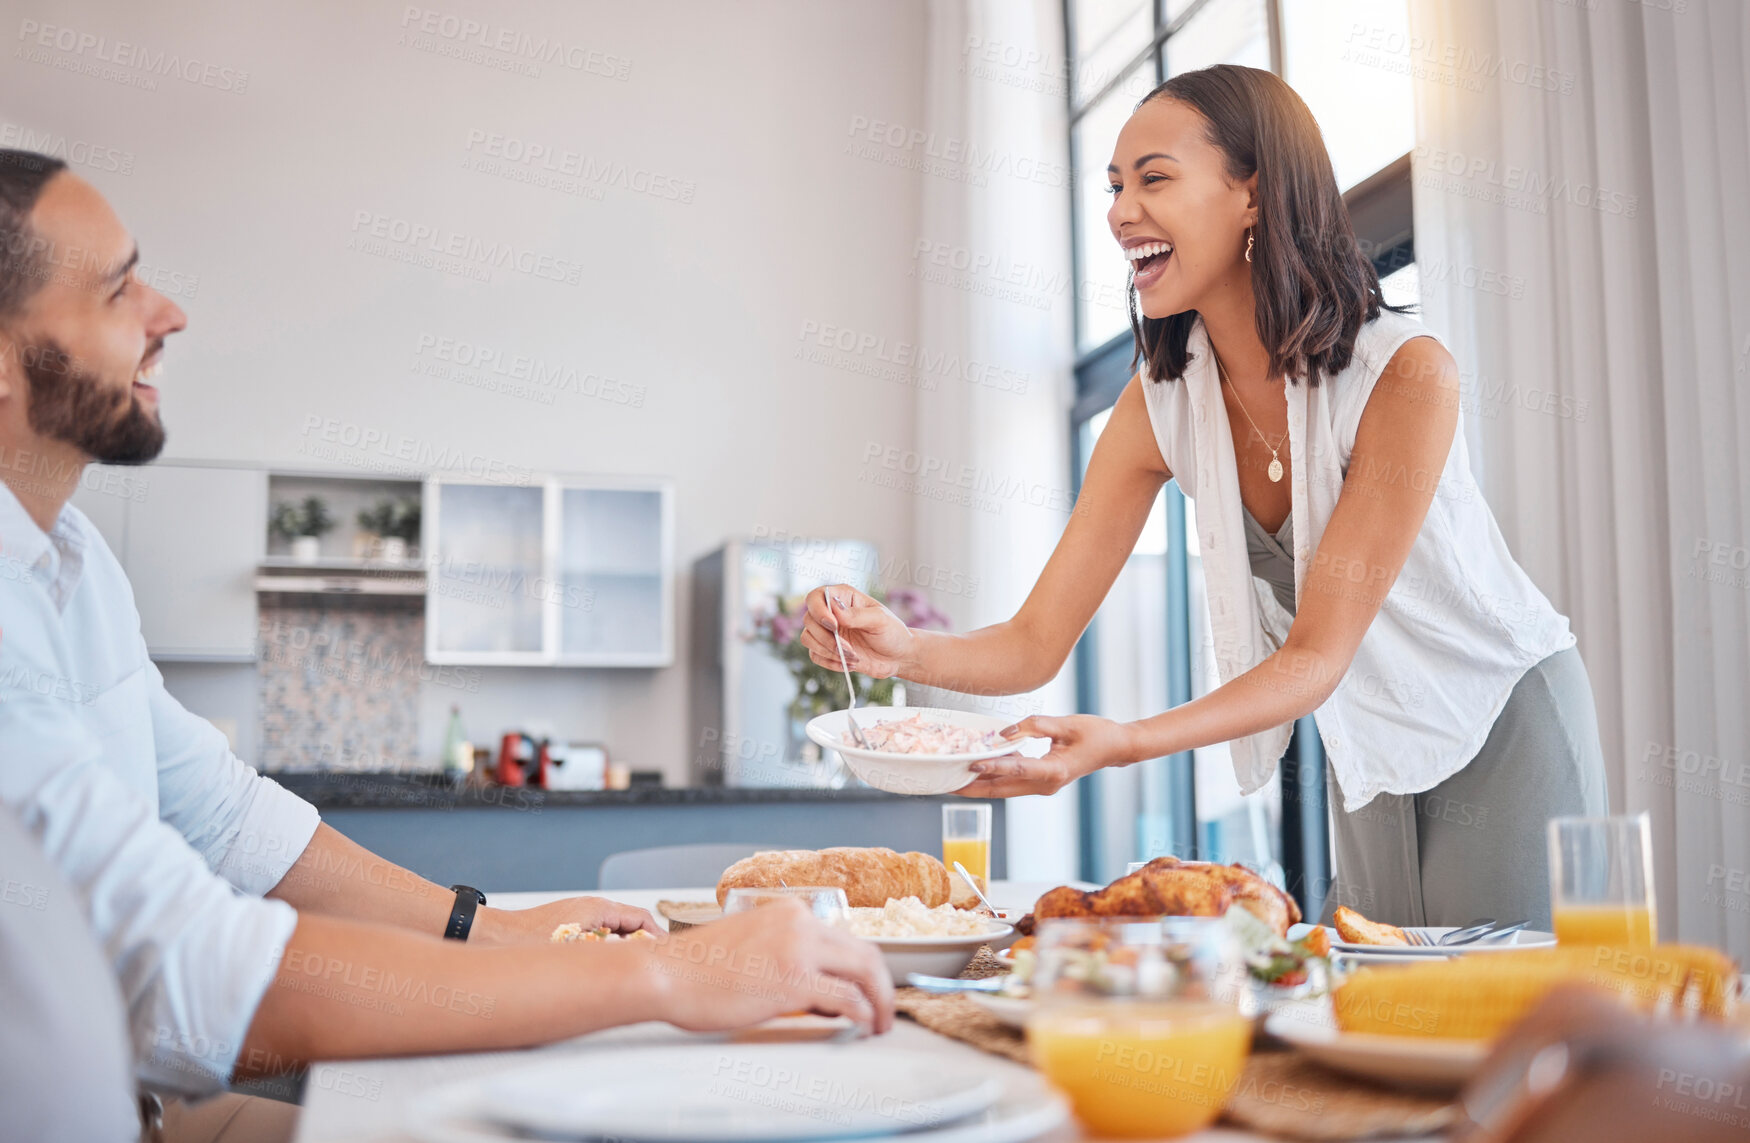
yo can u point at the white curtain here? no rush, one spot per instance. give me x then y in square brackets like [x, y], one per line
[1582, 174]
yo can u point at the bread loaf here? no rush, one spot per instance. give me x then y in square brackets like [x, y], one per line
[869, 877]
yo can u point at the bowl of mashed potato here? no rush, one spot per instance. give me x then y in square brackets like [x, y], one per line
[939, 941]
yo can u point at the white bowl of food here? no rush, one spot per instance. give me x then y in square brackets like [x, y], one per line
[917, 750]
[913, 937]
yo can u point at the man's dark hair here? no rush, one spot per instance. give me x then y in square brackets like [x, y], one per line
[23, 175]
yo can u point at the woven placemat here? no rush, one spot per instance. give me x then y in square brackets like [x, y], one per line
[1280, 1093]
[960, 1019]
[1286, 1094]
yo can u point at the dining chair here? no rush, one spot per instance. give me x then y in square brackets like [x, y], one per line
[673, 866]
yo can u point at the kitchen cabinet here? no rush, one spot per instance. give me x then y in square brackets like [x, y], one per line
[189, 539]
[567, 572]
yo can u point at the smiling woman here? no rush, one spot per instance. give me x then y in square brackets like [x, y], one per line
[1291, 228]
[1353, 568]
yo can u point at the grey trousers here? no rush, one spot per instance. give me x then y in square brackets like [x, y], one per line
[1476, 845]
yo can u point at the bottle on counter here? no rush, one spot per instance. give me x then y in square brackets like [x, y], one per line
[458, 759]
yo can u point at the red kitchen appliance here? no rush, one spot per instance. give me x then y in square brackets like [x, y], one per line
[522, 761]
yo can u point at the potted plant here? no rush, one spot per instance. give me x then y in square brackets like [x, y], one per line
[302, 524]
[394, 521]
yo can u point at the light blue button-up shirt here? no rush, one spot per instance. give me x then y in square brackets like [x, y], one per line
[139, 803]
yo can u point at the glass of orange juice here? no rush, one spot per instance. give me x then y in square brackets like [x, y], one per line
[1601, 881]
[1143, 1024]
[966, 839]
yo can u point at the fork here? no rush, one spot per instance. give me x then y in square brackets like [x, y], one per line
[1418, 938]
[1466, 935]
[850, 687]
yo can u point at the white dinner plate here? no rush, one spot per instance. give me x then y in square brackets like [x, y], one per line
[730, 1093]
[1512, 942]
[1424, 1062]
[1011, 1010]
[922, 774]
[736, 1093]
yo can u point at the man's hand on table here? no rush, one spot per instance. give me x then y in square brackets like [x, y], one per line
[768, 962]
[536, 925]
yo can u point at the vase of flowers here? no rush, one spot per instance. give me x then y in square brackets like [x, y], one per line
[818, 690]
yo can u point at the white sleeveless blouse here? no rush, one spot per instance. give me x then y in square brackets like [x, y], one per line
[1456, 631]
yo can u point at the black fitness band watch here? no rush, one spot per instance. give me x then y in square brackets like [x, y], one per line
[468, 899]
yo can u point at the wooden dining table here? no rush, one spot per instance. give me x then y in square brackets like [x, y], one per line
[370, 1101]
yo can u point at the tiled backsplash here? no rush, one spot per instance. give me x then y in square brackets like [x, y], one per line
[340, 685]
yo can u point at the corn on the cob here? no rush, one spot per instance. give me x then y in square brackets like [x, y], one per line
[1478, 997]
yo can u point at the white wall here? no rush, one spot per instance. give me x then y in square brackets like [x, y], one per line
[744, 108]
[841, 158]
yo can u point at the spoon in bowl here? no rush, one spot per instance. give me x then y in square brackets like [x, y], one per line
[850, 687]
[976, 891]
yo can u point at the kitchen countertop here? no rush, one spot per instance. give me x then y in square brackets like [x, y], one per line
[389, 790]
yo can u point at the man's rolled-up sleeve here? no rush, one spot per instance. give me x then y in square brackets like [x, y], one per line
[193, 957]
[248, 828]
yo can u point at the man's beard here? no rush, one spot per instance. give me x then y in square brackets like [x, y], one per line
[70, 405]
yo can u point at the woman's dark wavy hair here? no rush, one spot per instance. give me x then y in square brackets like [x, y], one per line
[1312, 284]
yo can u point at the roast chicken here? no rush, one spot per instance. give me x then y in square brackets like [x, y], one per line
[1167, 886]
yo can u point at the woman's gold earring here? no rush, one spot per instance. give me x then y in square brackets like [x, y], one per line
[1248, 244]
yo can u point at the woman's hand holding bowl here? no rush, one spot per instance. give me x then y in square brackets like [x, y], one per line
[1080, 744]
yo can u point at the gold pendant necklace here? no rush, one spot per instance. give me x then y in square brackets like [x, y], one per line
[1275, 469]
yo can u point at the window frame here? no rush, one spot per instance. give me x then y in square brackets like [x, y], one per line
[1380, 208]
